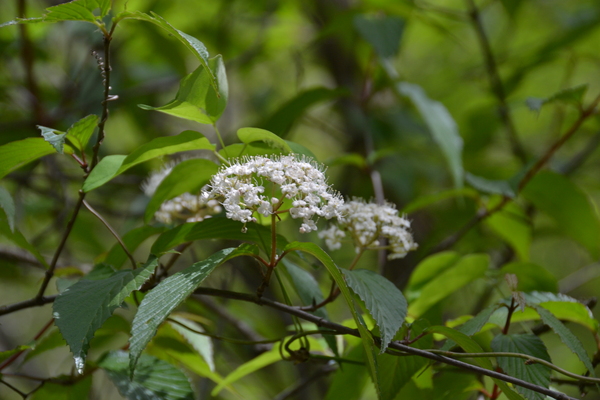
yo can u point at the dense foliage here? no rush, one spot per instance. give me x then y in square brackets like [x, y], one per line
[353, 200]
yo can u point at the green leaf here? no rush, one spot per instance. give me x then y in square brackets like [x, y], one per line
[473, 325]
[382, 32]
[168, 294]
[81, 309]
[202, 344]
[460, 273]
[8, 205]
[194, 45]
[426, 201]
[132, 239]
[81, 131]
[568, 205]
[4, 355]
[284, 118]
[385, 302]
[531, 277]
[268, 358]
[334, 271]
[394, 371]
[77, 10]
[490, 186]
[111, 166]
[299, 149]
[534, 373]
[348, 382]
[154, 379]
[213, 228]
[567, 337]
[188, 176]
[239, 149]
[250, 135]
[50, 341]
[442, 127]
[56, 140]
[15, 236]
[513, 226]
[572, 95]
[471, 346]
[196, 100]
[430, 268]
[16, 154]
[69, 390]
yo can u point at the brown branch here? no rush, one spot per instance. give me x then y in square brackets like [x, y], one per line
[35, 302]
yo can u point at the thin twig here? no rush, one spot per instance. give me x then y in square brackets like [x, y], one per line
[223, 338]
[112, 231]
[35, 302]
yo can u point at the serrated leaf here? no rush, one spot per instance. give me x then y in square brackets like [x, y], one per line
[196, 99]
[250, 135]
[56, 140]
[170, 293]
[112, 166]
[202, 344]
[77, 10]
[214, 228]
[465, 270]
[18, 153]
[534, 373]
[490, 186]
[8, 205]
[382, 32]
[194, 45]
[132, 239]
[531, 277]
[566, 336]
[442, 127]
[334, 271]
[188, 176]
[81, 131]
[154, 379]
[81, 309]
[54, 390]
[471, 346]
[568, 205]
[383, 299]
[394, 371]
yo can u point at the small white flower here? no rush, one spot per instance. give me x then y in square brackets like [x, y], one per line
[261, 184]
[366, 222]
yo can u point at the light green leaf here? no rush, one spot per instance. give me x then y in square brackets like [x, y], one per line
[268, 358]
[490, 186]
[250, 135]
[194, 45]
[168, 294]
[240, 149]
[77, 10]
[202, 344]
[513, 226]
[56, 140]
[81, 131]
[154, 379]
[334, 271]
[568, 205]
[81, 309]
[383, 299]
[473, 325]
[196, 100]
[52, 390]
[16, 154]
[4, 355]
[214, 228]
[442, 127]
[188, 176]
[471, 346]
[132, 239]
[8, 205]
[111, 166]
[382, 32]
[430, 268]
[531, 277]
[534, 373]
[463, 271]
[567, 337]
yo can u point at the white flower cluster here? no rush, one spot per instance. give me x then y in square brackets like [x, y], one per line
[366, 222]
[240, 189]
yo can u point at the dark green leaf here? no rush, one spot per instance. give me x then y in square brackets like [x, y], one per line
[69, 390]
[250, 135]
[15, 236]
[535, 373]
[511, 6]
[153, 379]
[81, 131]
[383, 299]
[442, 127]
[426, 201]
[473, 325]
[299, 149]
[81, 309]
[132, 239]
[111, 166]
[16, 154]
[382, 32]
[188, 176]
[196, 99]
[168, 294]
[567, 337]
[489, 186]
[568, 205]
[348, 382]
[531, 277]
[8, 205]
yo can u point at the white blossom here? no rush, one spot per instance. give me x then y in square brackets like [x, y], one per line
[262, 184]
[365, 223]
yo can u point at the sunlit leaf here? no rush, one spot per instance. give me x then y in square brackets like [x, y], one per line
[81, 131]
[513, 226]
